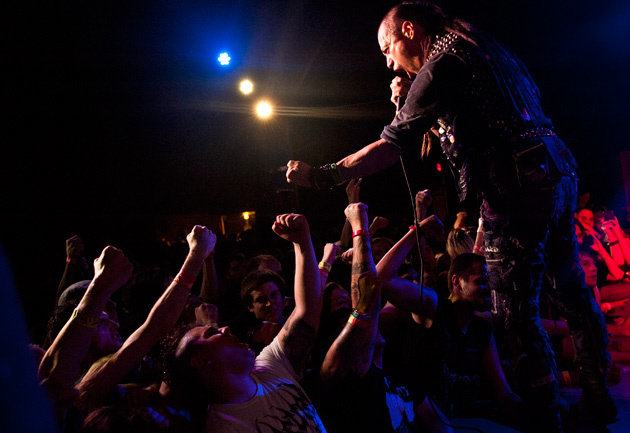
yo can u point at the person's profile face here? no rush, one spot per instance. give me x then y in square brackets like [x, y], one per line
[397, 52]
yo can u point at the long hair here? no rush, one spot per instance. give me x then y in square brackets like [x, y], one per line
[458, 242]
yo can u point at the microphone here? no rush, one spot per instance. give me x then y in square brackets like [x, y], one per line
[400, 101]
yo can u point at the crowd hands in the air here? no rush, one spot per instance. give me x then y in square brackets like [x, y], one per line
[348, 314]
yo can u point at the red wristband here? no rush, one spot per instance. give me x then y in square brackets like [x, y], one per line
[183, 279]
[71, 260]
[413, 227]
[360, 232]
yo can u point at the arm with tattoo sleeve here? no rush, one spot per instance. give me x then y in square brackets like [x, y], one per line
[353, 349]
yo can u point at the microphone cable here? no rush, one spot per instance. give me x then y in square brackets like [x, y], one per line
[399, 103]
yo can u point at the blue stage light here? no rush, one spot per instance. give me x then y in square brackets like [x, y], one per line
[224, 59]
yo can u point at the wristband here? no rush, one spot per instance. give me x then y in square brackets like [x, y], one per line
[326, 176]
[360, 232]
[183, 279]
[613, 243]
[413, 227]
[71, 260]
[325, 266]
[86, 322]
[357, 315]
[476, 248]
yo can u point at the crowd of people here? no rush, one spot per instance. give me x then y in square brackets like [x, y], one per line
[397, 338]
[379, 328]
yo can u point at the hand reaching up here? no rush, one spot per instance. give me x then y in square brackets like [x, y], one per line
[201, 240]
[378, 223]
[74, 247]
[353, 189]
[292, 227]
[423, 201]
[357, 216]
[111, 269]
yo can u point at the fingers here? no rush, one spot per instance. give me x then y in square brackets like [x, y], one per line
[346, 256]
[400, 87]
[293, 227]
[357, 213]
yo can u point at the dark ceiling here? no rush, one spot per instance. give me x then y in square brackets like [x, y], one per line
[120, 108]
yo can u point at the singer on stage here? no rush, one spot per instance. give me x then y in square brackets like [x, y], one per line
[475, 99]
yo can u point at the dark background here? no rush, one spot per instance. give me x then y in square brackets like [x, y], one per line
[118, 115]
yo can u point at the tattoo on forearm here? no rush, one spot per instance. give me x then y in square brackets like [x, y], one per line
[354, 350]
[297, 342]
[363, 257]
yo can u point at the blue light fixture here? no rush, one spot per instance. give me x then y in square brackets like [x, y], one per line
[224, 59]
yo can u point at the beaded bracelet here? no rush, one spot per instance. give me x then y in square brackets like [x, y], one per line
[86, 322]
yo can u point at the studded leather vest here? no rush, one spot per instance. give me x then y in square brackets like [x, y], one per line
[482, 143]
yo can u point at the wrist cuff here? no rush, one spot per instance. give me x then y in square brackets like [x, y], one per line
[326, 176]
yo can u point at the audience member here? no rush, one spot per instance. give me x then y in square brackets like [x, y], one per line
[449, 347]
[247, 392]
[90, 332]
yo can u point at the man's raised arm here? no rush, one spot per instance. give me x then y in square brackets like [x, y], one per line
[353, 349]
[163, 316]
[298, 333]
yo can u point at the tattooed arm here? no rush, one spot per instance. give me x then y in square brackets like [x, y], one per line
[353, 349]
[298, 333]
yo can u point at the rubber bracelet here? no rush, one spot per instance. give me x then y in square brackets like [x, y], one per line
[356, 316]
[413, 227]
[325, 265]
[86, 322]
[360, 232]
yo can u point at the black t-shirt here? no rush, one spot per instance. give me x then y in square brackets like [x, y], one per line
[443, 362]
